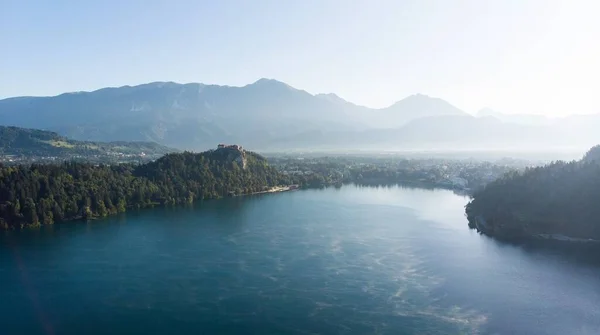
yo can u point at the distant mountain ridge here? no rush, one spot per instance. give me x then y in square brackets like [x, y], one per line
[269, 114]
[528, 119]
[196, 116]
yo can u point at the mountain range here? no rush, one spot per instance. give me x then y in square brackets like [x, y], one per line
[271, 115]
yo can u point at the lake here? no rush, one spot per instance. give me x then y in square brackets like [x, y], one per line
[352, 260]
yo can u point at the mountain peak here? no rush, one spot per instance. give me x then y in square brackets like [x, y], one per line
[269, 84]
[418, 106]
[419, 95]
[331, 97]
[486, 111]
[424, 102]
[268, 81]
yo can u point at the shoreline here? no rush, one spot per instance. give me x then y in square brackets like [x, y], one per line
[564, 238]
[81, 218]
[275, 189]
[481, 226]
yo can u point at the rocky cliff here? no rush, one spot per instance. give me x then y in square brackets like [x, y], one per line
[232, 153]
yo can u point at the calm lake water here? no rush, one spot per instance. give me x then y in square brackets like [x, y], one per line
[355, 260]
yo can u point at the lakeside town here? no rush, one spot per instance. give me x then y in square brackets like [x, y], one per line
[463, 175]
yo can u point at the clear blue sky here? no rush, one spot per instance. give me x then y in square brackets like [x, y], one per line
[537, 56]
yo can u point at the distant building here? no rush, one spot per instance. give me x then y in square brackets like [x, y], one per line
[231, 146]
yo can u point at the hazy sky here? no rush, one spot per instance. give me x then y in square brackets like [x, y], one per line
[514, 56]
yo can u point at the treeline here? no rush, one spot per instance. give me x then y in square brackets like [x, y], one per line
[44, 194]
[559, 198]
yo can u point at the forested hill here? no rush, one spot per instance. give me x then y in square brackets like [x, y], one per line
[40, 143]
[557, 200]
[44, 194]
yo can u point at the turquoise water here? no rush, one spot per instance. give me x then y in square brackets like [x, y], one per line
[355, 260]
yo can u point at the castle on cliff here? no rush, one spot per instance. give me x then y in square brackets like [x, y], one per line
[230, 146]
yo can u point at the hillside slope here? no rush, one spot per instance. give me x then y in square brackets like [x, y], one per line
[35, 142]
[559, 199]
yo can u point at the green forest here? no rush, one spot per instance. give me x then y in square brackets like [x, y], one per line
[35, 142]
[559, 198]
[36, 194]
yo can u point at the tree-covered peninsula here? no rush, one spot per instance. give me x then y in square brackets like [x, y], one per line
[559, 201]
[37, 194]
